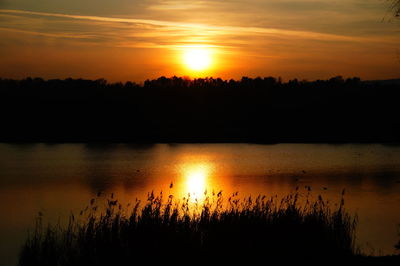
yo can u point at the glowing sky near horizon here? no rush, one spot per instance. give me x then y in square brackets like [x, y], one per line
[134, 40]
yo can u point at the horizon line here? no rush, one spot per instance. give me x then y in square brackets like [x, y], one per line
[204, 78]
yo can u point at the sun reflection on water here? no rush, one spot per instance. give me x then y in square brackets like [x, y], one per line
[196, 179]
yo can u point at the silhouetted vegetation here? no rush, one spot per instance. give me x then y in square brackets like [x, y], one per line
[396, 7]
[230, 231]
[200, 110]
[397, 246]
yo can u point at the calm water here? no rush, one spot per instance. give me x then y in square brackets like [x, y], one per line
[58, 179]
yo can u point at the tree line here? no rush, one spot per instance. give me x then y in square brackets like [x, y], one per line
[179, 109]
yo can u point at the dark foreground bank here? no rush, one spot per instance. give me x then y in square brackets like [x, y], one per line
[219, 230]
[264, 110]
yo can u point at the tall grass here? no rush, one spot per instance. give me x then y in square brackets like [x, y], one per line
[218, 230]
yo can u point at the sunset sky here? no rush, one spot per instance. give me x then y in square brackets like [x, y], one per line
[135, 40]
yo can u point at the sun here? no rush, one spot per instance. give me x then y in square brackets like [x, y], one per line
[197, 58]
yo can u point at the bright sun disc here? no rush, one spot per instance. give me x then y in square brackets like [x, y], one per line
[197, 58]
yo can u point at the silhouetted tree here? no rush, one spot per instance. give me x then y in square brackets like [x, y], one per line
[397, 246]
[396, 7]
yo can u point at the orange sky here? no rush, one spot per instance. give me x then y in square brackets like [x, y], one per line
[136, 40]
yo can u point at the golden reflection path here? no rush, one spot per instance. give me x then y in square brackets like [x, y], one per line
[196, 178]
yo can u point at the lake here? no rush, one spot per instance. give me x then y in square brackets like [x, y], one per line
[57, 179]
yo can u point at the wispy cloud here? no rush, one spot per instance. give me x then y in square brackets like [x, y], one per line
[187, 29]
[56, 35]
[169, 5]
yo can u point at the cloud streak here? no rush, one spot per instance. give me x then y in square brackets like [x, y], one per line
[196, 29]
